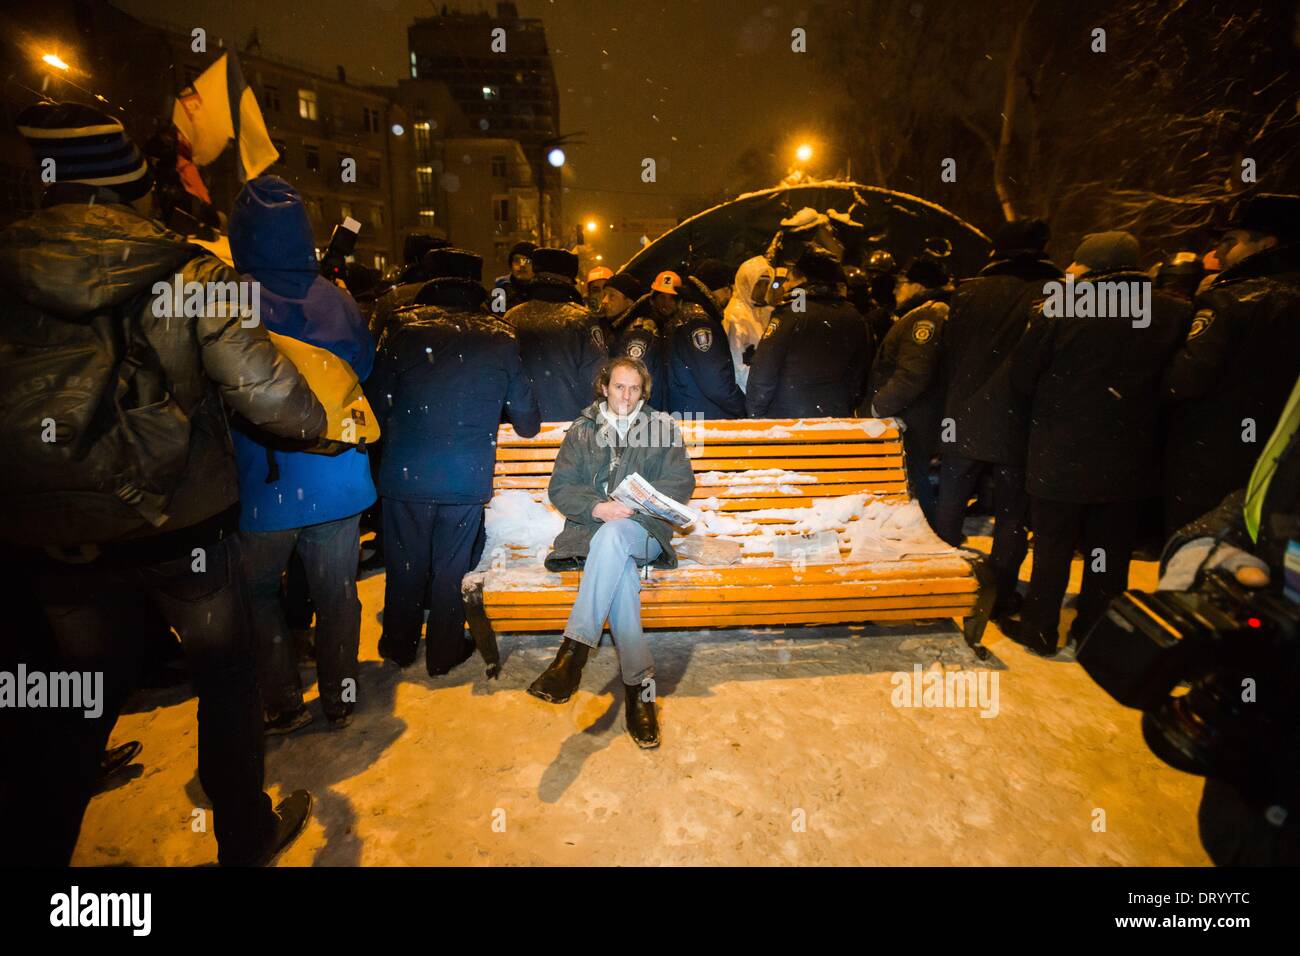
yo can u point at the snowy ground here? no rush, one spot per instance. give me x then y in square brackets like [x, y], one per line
[776, 750]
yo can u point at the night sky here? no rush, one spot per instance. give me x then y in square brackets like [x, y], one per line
[691, 83]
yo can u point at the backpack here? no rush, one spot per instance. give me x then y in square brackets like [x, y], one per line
[350, 421]
[93, 443]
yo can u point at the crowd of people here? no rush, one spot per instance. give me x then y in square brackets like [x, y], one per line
[1065, 425]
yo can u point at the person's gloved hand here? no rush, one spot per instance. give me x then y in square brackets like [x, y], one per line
[1180, 572]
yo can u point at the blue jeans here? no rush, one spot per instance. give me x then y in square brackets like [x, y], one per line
[611, 589]
[329, 556]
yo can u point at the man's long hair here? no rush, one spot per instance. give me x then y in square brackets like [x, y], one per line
[623, 361]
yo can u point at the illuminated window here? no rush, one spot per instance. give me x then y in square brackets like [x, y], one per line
[307, 104]
[499, 167]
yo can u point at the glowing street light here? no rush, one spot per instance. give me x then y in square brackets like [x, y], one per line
[803, 153]
[555, 157]
[56, 61]
[592, 225]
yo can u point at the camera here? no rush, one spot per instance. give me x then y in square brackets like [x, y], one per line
[343, 241]
[1214, 671]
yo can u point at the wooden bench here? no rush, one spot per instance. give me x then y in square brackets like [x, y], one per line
[756, 480]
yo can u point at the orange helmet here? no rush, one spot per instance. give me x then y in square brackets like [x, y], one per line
[599, 274]
[666, 281]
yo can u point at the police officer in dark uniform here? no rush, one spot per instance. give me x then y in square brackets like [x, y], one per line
[617, 297]
[701, 376]
[399, 289]
[1230, 380]
[905, 379]
[990, 424]
[1093, 381]
[812, 360]
[562, 344]
[440, 387]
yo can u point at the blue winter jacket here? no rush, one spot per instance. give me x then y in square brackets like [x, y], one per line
[271, 241]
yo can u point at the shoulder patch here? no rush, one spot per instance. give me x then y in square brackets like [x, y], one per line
[922, 331]
[1203, 320]
[635, 349]
[702, 339]
[772, 325]
[598, 336]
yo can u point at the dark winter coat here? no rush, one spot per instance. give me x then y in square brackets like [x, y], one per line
[439, 387]
[906, 380]
[1239, 362]
[986, 318]
[810, 364]
[637, 333]
[385, 314]
[1094, 390]
[517, 293]
[562, 349]
[701, 376]
[77, 260]
[593, 460]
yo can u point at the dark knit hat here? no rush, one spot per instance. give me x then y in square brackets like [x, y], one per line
[523, 248]
[714, 273]
[927, 271]
[820, 267]
[449, 263]
[1108, 251]
[1276, 214]
[628, 284]
[556, 262]
[1020, 236]
[87, 147]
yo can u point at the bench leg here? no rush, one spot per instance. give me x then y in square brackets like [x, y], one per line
[485, 638]
[973, 626]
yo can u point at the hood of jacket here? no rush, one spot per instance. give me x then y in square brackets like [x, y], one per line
[76, 259]
[1023, 266]
[271, 237]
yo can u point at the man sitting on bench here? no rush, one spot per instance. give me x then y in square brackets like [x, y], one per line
[614, 437]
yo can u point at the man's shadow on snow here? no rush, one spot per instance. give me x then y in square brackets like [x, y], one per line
[731, 654]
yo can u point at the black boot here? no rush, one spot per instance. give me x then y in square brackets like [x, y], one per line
[558, 682]
[642, 722]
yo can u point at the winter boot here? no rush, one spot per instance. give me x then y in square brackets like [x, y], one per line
[642, 723]
[559, 681]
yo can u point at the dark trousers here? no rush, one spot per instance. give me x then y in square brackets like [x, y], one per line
[918, 455]
[1058, 527]
[329, 560]
[428, 549]
[958, 480]
[95, 615]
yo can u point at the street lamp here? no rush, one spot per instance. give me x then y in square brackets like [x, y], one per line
[556, 159]
[804, 152]
[592, 226]
[56, 61]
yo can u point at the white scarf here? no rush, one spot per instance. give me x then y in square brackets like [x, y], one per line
[622, 423]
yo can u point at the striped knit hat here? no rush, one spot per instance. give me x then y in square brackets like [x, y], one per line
[87, 147]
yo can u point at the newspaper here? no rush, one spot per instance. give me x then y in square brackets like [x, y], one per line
[639, 495]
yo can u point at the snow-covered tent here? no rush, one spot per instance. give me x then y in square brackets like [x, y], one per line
[743, 228]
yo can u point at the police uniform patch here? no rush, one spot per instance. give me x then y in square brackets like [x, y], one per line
[922, 331]
[598, 337]
[772, 326]
[1203, 320]
[702, 339]
[636, 350]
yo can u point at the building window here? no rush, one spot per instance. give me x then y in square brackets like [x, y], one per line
[491, 93]
[501, 211]
[345, 210]
[282, 156]
[414, 73]
[499, 167]
[424, 184]
[307, 104]
[370, 119]
[421, 141]
[426, 217]
[381, 262]
[377, 219]
[311, 156]
[271, 98]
